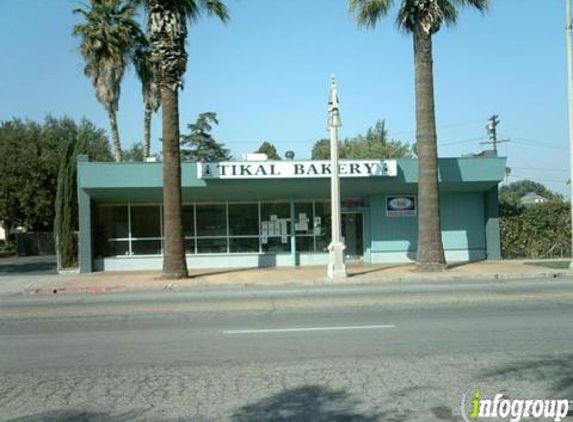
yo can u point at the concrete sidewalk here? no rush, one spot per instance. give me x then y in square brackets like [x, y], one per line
[150, 280]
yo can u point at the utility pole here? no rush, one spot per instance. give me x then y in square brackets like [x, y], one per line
[569, 45]
[491, 128]
[336, 270]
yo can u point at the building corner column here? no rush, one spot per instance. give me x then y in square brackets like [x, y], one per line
[492, 232]
[85, 258]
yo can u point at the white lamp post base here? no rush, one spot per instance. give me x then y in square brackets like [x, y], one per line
[336, 268]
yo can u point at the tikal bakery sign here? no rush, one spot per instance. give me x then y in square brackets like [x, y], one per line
[295, 169]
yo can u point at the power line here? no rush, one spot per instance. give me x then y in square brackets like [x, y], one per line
[539, 144]
[535, 179]
[542, 169]
[442, 127]
[460, 142]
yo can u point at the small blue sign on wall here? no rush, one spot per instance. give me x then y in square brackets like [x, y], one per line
[401, 206]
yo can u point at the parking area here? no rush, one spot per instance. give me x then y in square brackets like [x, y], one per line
[28, 265]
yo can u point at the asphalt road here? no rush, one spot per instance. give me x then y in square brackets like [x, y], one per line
[395, 352]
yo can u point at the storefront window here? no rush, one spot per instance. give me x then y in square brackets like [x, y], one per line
[146, 247]
[145, 221]
[322, 225]
[243, 219]
[189, 246]
[116, 248]
[188, 217]
[217, 245]
[275, 227]
[215, 228]
[112, 222]
[243, 244]
[305, 244]
[304, 217]
[211, 220]
[276, 244]
[277, 209]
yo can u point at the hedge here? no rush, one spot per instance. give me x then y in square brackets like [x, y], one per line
[536, 231]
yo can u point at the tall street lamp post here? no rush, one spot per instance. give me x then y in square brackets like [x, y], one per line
[569, 45]
[336, 267]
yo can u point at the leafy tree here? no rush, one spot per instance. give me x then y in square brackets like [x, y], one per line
[321, 150]
[203, 147]
[150, 89]
[422, 19]
[373, 144]
[108, 38]
[167, 33]
[270, 150]
[510, 194]
[136, 153]
[30, 158]
[66, 223]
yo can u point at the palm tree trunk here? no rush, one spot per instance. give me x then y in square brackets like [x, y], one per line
[430, 255]
[147, 133]
[174, 264]
[115, 135]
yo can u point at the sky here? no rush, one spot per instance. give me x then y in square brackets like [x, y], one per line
[266, 75]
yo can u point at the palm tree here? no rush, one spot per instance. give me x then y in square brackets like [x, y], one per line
[422, 19]
[167, 33]
[149, 87]
[107, 40]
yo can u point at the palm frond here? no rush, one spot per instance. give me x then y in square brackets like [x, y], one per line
[369, 12]
[191, 9]
[449, 11]
[481, 5]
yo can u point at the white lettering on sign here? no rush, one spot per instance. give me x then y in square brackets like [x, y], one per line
[294, 169]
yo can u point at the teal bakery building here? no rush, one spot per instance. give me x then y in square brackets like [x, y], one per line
[277, 213]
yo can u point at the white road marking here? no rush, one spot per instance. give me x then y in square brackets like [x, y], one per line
[302, 329]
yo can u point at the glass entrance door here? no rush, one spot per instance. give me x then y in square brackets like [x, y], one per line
[352, 232]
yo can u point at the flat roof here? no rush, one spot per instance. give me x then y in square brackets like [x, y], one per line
[142, 182]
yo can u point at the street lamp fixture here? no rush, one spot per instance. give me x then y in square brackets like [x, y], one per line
[336, 268]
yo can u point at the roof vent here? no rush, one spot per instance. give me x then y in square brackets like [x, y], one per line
[255, 156]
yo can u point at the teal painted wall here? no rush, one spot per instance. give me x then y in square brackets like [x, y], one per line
[463, 221]
[463, 225]
[468, 189]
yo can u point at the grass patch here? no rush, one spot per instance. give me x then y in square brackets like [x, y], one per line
[556, 265]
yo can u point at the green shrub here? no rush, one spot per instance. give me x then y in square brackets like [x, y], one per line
[536, 231]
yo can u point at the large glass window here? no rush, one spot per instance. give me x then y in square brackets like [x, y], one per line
[243, 244]
[243, 219]
[188, 217]
[145, 221]
[211, 220]
[112, 222]
[215, 228]
[146, 247]
[190, 246]
[322, 225]
[275, 227]
[305, 243]
[116, 248]
[212, 245]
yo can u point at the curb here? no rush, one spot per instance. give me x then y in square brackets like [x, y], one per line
[349, 282]
[72, 290]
